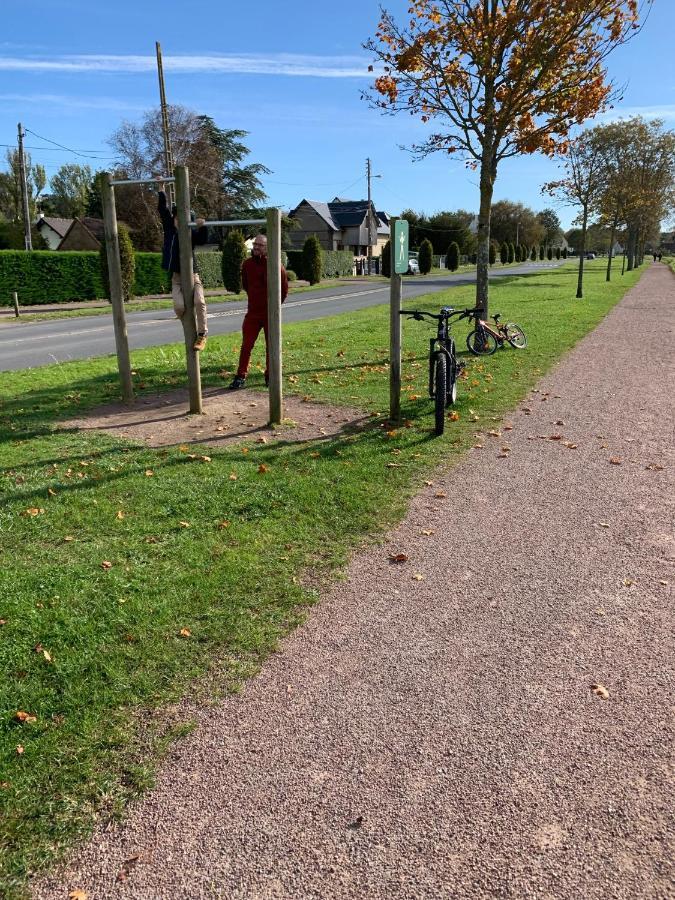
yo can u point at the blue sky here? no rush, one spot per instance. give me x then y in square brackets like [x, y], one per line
[289, 73]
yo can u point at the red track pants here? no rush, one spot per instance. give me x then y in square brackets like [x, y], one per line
[250, 329]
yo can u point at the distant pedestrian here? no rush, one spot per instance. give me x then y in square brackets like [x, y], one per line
[171, 263]
[655, 257]
[660, 254]
[254, 282]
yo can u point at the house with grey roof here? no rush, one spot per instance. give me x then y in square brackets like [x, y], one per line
[339, 225]
[53, 229]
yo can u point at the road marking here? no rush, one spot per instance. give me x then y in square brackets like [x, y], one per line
[214, 315]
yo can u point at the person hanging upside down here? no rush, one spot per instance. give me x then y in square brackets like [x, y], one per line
[254, 282]
[171, 263]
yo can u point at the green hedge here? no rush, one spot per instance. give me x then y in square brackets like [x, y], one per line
[335, 263]
[52, 276]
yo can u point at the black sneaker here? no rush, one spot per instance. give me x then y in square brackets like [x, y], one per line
[237, 383]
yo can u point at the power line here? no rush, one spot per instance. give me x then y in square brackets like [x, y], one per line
[61, 146]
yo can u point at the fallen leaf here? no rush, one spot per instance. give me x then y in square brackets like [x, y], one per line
[120, 514]
[261, 440]
[615, 461]
[244, 449]
[570, 445]
[559, 422]
[502, 456]
[185, 632]
[357, 823]
[600, 691]
[233, 477]
[453, 416]
[477, 446]
[184, 524]
[106, 564]
[428, 483]
[78, 895]
[3, 622]
[205, 458]
[51, 492]
[183, 448]
[68, 538]
[440, 494]
[627, 582]
[555, 437]
[393, 465]
[495, 433]
[33, 511]
[47, 655]
[224, 524]
[399, 557]
[603, 525]
[22, 716]
[662, 581]
[19, 749]
[418, 577]
[150, 540]
[654, 467]
[262, 468]
[428, 531]
[149, 473]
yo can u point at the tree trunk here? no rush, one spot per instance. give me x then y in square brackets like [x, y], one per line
[487, 180]
[630, 247]
[582, 253]
[615, 224]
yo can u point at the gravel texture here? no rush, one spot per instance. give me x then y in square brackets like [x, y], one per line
[439, 736]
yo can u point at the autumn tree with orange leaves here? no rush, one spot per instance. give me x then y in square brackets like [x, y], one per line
[498, 78]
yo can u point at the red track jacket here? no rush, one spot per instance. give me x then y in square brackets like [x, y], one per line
[254, 282]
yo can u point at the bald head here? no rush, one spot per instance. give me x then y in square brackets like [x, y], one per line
[260, 245]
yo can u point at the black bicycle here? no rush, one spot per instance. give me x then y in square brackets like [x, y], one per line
[444, 367]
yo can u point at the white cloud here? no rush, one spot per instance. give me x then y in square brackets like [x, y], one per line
[287, 64]
[64, 102]
[665, 111]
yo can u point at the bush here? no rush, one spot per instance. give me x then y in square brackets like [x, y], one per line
[492, 259]
[533, 254]
[549, 253]
[385, 260]
[503, 253]
[512, 253]
[564, 252]
[452, 256]
[151, 278]
[311, 260]
[425, 256]
[209, 266]
[233, 255]
[290, 274]
[542, 251]
[336, 263]
[473, 259]
[127, 264]
[557, 252]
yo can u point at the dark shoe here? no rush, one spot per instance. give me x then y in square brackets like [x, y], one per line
[200, 343]
[237, 383]
[267, 381]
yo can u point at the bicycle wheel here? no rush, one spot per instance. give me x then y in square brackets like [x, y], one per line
[481, 342]
[451, 395]
[516, 336]
[440, 386]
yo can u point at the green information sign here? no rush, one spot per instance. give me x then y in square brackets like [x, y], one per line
[400, 246]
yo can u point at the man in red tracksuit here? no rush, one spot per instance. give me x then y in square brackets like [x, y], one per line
[254, 281]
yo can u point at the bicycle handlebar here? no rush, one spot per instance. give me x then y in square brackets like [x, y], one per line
[446, 313]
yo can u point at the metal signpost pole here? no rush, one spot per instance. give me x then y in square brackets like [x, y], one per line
[398, 265]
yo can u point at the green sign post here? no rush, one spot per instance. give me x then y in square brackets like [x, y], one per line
[400, 246]
[399, 266]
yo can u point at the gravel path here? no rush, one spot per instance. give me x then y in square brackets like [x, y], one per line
[439, 737]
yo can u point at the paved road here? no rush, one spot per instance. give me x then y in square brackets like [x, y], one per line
[60, 340]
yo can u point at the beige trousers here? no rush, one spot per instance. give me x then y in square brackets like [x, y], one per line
[199, 301]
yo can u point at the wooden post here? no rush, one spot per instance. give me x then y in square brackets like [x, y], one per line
[112, 248]
[394, 333]
[274, 314]
[15, 299]
[187, 284]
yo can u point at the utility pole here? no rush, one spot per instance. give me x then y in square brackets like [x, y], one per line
[369, 219]
[274, 314]
[168, 153]
[517, 229]
[24, 192]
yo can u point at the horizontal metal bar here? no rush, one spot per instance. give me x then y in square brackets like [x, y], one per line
[232, 222]
[154, 181]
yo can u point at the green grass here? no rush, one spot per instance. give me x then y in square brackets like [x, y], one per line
[113, 634]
